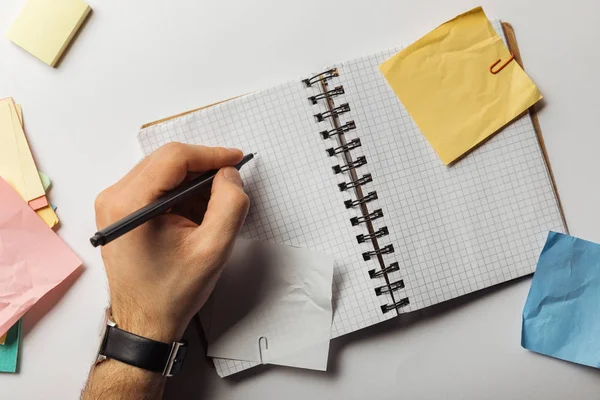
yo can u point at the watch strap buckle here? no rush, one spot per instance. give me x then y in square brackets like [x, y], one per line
[175, 360]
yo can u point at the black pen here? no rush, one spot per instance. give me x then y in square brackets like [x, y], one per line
[158, 207]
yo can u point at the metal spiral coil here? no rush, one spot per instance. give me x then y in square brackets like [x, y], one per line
[343, 149]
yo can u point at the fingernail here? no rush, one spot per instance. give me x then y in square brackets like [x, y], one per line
[232, 174]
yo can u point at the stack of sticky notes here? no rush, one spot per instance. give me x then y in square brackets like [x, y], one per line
[33, 259]
[46, 27]
[17, 165]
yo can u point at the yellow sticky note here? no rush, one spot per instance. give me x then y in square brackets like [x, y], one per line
[3, 339]
[48, 215]
[17, 166]
[20, 114]
[45, 27]
[445, 83]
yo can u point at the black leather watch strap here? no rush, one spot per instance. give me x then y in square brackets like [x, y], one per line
[142, 352]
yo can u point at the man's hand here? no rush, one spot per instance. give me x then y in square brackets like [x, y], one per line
[161, 273]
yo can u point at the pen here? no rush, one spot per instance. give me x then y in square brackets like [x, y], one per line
[158, 207]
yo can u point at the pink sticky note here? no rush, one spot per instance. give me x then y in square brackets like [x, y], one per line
[33, 259]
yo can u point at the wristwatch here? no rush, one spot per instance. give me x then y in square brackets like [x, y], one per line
[139, 351]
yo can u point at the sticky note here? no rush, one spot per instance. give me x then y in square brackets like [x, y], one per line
[38, 203]
[20, 114]
[41, 205]
[272, 282]
[9, 352]
[561, 317]
[445, 83]
[45, 27]
[48, 215]
[17, 166]
[33, 259]
[46, 182]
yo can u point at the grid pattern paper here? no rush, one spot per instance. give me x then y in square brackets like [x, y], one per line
[455, 229]
[460, 228]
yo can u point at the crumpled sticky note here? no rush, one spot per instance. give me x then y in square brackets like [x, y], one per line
[33, 259]
[272, 304]
[443, 81]
[561, 317]
[9, 351]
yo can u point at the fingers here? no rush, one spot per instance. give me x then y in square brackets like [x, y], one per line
[225, 215]
[161, 171]
[168, 166]
[194, 208]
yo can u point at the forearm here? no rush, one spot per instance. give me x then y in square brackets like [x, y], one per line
[114, 380]
[161, 273]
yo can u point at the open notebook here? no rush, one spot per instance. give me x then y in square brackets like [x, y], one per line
[413, 232]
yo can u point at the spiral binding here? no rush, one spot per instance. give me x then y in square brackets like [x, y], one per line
[351, 145]
[333, 92]
[381, 232]
[356, 183]
[348, 126]
[366, 218]
[334, 112]
[322, 77]
[350, 166]
[353, 203]
[359, 162]
[387, 288]
[393, 267]
[399, 304]
[389, 249]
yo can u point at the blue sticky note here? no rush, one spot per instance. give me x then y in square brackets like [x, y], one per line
[561, 317]
[53, 207]
[9, 351]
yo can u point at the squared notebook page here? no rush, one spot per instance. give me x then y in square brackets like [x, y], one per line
[293, 191]
[455, 229]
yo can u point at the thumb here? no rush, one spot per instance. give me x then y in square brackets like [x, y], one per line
[225, 213]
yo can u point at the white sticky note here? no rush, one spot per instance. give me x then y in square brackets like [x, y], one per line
[279, 293]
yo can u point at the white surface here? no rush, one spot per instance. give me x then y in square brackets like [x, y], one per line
[132, 63]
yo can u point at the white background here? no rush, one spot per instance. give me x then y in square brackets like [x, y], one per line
[139, 60]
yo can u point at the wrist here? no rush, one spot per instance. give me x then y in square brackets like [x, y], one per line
[146, 325]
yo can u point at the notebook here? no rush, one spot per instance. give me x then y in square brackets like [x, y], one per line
[405, 230]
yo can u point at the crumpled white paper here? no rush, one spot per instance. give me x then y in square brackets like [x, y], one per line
[272, 304]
